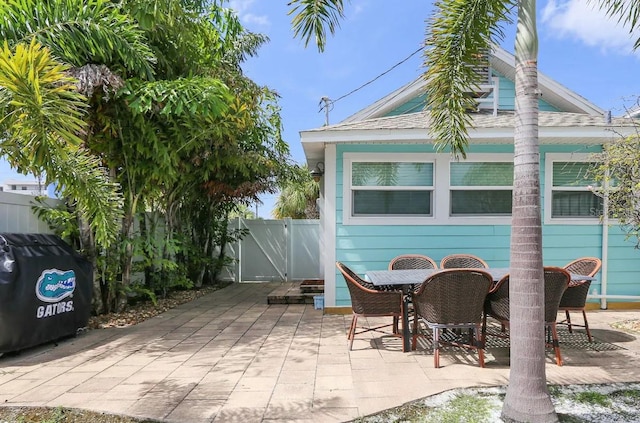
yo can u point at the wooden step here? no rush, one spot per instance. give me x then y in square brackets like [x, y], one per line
[312, 286]
[293, 293]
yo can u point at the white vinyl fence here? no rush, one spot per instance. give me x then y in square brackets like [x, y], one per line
[16, 215]
[273, 250]
[276, 250]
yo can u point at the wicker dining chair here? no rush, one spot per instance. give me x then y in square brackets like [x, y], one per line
[575, 297]
[405, 262]
[556, 280]
[452, 299]
[466, 261]
[412, 261]
[366, 301]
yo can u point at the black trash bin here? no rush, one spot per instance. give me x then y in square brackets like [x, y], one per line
[45, 290]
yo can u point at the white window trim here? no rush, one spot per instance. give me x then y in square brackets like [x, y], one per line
[440, 194]
[349, 158]
[549, 159]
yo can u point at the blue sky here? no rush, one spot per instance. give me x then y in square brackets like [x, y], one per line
[578, 48]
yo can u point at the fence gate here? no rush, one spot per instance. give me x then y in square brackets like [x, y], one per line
[276, 250]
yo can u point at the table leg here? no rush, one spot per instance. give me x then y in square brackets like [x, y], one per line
[406, 335]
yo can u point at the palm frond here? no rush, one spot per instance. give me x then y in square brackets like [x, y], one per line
[79, 32]
[187, 96]
[625, 11]
[312, 18]
[41, 113]
[245, 46]
[459, 35]
[41, 118]
[81, 179]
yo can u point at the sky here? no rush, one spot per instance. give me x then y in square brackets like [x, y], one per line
[371, 55]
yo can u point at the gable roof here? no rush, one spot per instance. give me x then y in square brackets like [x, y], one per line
[578, 122]
[503, 62]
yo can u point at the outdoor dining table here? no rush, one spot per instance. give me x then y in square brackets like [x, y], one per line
[405, 278]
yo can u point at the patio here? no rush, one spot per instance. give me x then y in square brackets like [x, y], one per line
[229, 356]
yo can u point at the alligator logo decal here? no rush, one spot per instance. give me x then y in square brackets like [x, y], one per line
[54, 285]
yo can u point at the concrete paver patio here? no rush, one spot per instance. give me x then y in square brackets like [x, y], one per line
[230, 357]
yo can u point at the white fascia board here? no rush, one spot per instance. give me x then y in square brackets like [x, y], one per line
[313, 141]
[598, 134]
[368, 135]
[551, 90]
[390, 101]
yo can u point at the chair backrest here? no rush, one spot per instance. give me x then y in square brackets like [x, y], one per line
[497, 302]
[351, 276]
[412, 261]
[453, 296]
[576, 294]
[466, 261]
[365, 299]
[556, 281]
[587, 266]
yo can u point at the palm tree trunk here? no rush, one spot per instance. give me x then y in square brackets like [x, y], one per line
[127, 255]
[88, 245]
[527, 398]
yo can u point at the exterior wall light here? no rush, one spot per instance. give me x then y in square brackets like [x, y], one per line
[317, 172]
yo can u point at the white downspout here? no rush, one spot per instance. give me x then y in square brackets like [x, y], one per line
[605, 254]
[605, 243]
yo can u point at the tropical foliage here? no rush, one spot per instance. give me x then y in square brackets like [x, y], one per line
[298, 195]
[42, 119]
[618, 173]
[153, 100]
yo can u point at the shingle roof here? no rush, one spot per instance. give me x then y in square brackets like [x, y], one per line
[504, 119]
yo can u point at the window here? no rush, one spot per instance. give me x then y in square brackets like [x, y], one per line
[425, 189]
[480, 188]
[391, 188]
[570, 193]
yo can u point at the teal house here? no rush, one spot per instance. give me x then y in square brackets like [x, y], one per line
[385, 191]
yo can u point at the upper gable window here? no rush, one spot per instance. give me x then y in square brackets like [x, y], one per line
[571, 196]
[481, 188]
[391, 188]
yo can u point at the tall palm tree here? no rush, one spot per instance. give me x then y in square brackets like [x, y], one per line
[460, 33]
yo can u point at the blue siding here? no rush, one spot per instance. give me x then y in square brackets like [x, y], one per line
[414, 105]
[371, 247]
[508, 96]
[506, 100]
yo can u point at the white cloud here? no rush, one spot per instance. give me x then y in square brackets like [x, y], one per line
[258, 20]
[241, 6]
[243, 9]
[582, 20]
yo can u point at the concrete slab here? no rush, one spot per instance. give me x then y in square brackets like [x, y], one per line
[230, 356]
